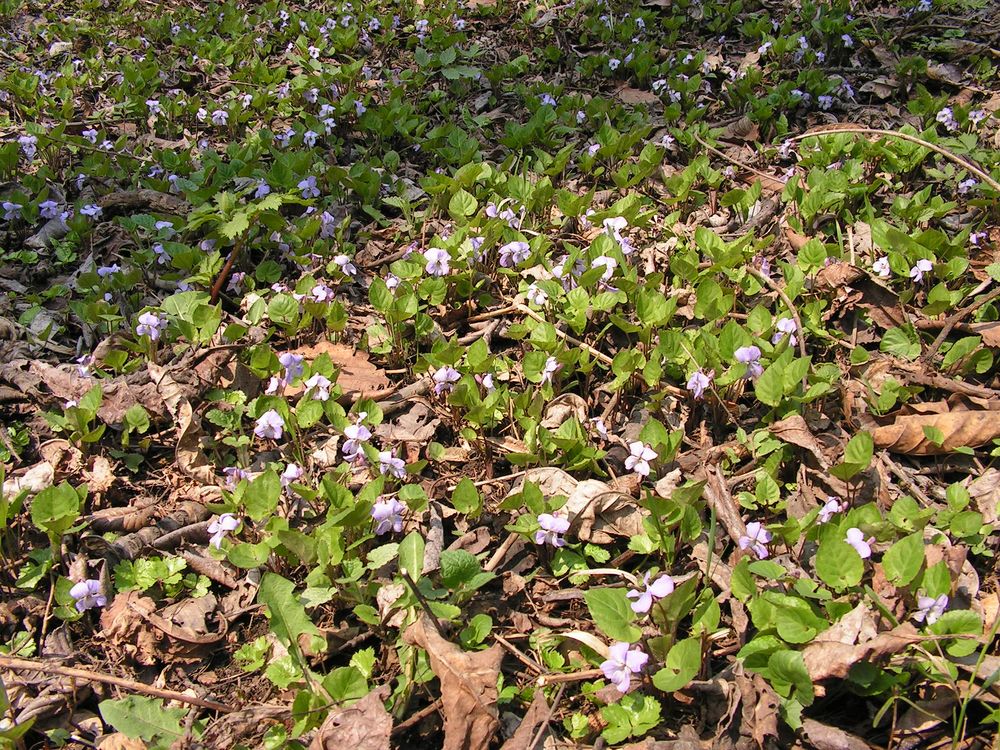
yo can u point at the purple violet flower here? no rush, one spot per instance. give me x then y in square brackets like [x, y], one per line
[750, 356]
[220, 527]
[622, 663]
[388, 514]
[757, 538]
[269, 425]
[661, 587]
[640, 455]
[88, 595]
[930, 609]
[856, 538]
[551, 529]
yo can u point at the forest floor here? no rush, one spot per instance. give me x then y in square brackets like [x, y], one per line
[499, 374]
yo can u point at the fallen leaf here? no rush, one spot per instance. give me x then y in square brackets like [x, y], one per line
[119, 741]
[629, 95]
[537, 713]
[357, 378]
[417, 425]
[985, 494]
[824, 737]
[468, 686]
[832, 658]
[563, 407]
[959, 426]
[364, 726]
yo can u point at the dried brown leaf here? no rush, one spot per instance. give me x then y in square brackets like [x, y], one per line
[537, 713]
[629, 95]
[364, 726]
[959, 424]
[825, 737]
[468, 686]
[825, 659]
[358, 377]
[985, 494]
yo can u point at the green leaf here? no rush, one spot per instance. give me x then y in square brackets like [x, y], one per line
[857, 456]
[462, 204]
[411, 554]
[902, 561]
[262, 495]
[789, 676]
[770, 386]
[743, 585]
[55, 509]
[457, 567]
[683, 662]
[612, 613]
[903, 342]
[287, 615]
[466, 499]
[237, 225]
[838, 564]
[141, 717]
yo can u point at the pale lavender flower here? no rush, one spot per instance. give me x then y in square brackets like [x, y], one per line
[220, 117]
[602, 429]
[308, 187]
[856, 538]
[88, 595]
[593, 148]
[445, 378]
[551, 367]
[322, 293]
[201, 115]
[847, 40]
[220, 527]
[236, 282]
[966, 186]
[150, 324]
[976, 116]
[29, 146]
[91, 210]
[269, 425]
[547, 100]
[698, 382]
[661, 587]
[309, 138]
[262, 189]
[356, 434]
[11, 210]
[293, 364]
[622, 663]
[292, 473]
[750, 356]
[388, 515]
[536, 296]
[319, 386]
[947, 118]
[824, 101]
[922, 266]
[359, 107]
[167, 227]
[234, 475]
[785, 327]
[639, 457]
[609, 264]
[881, 267]
[613, 63]
[513, 253]
[437, 261]
[154, 107]
[48, 209]
[830, 507]
[551, 529]
[930, 608]
[346, 266]
[90, 134]
[978, 238]
[757, 538]
[391, 465]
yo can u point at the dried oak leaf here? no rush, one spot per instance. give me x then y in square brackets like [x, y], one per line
[468, 686]
[537, 713]
[364, 726]
[358, 377]
[968, 422]
[833, 658]
[126, 633]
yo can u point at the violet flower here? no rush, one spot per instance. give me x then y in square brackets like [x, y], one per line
[551, 529]
[661, 587]
[294, 367]
[930, 609]
[785, 326]
[269, 425]
[262, 190]
[11, 210]
[150, 324]
[917, 272]
[355, 433]
[319, 386]
[550, 368]
[856, 538]
[622, 663]
[831, 507]
[234, 475]
[514, 253]
[444, 379]
[388, 514]
[220, 117]
[292, 473]
[308, 187]
[639, 458]
[881, 267]
[88, 595]
[391, 465]
[346, 266]
[698, 382]
[536, 296]
[757, 538]
[750, 356]
[48, 209]
[220, 527]
[437, 261]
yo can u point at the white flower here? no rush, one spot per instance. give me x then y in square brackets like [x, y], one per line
[639, 458]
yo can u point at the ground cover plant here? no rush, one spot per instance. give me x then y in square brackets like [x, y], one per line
[467, 375]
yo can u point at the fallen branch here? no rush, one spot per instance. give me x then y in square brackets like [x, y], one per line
[31, 665]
